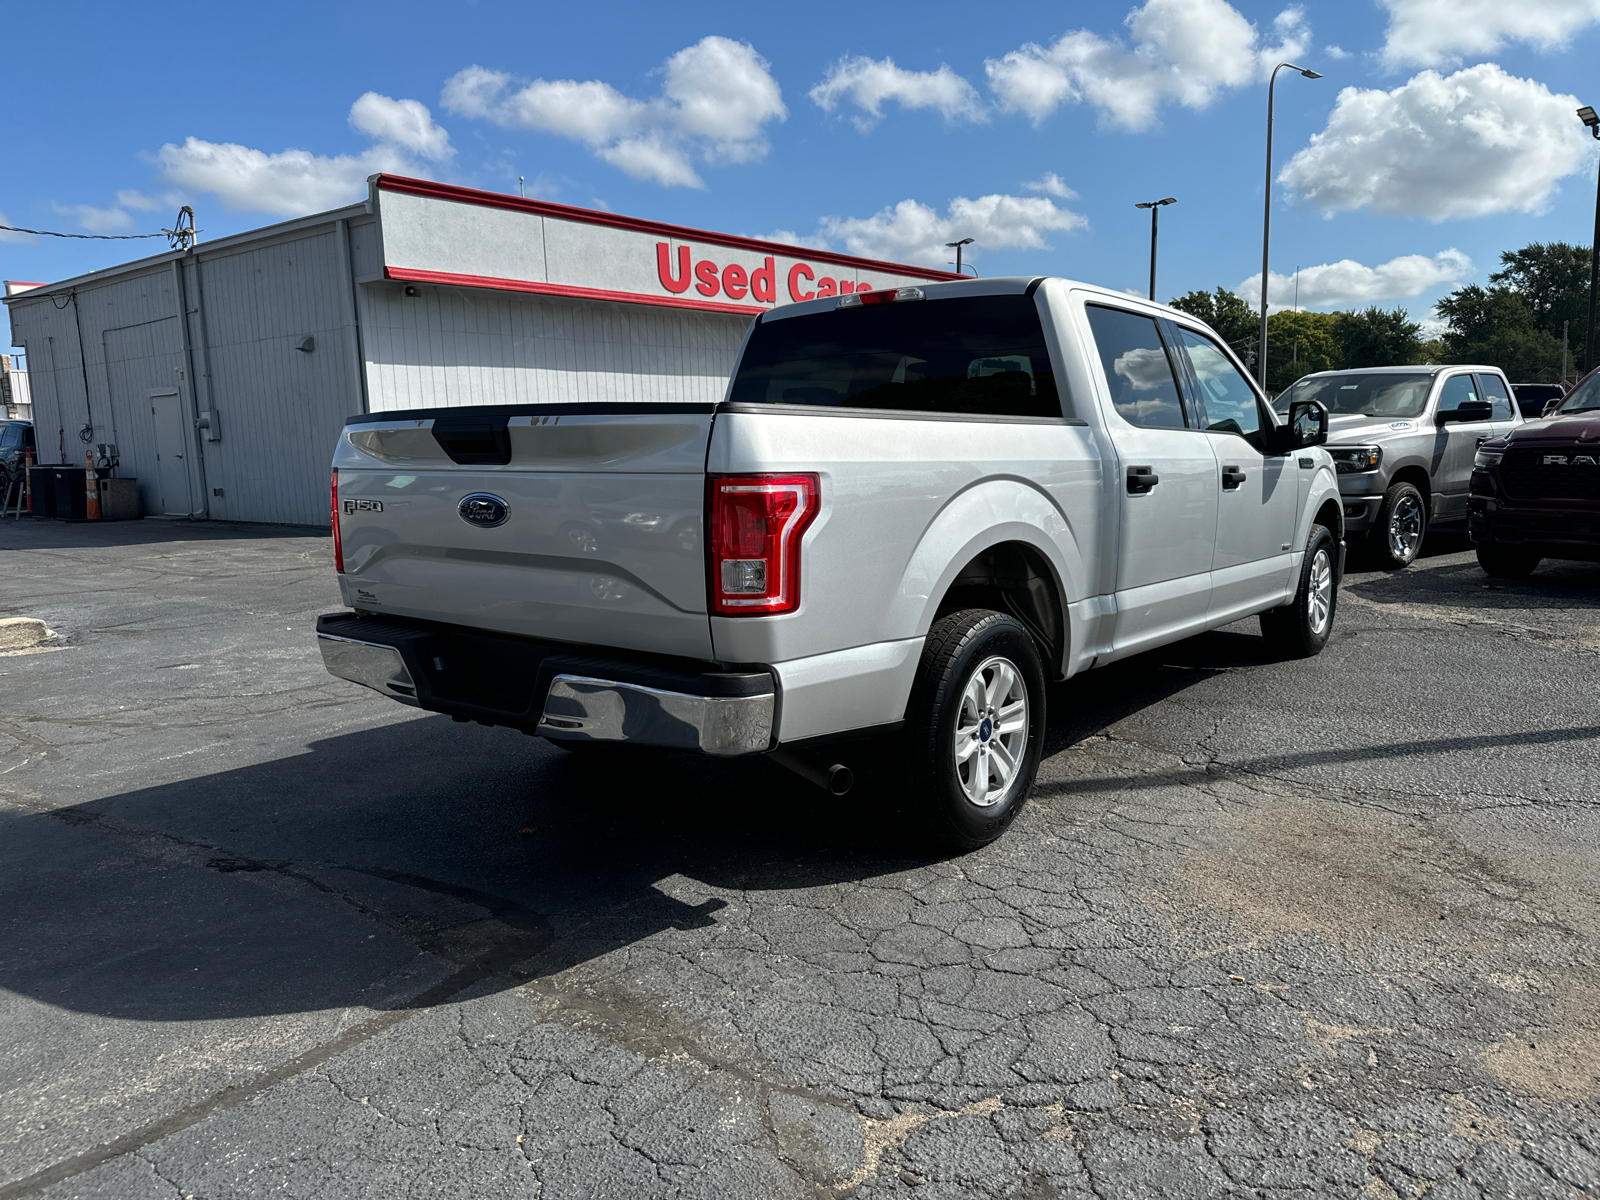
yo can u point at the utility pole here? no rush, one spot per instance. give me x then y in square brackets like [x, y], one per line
[1564, 325]
[1155, 207]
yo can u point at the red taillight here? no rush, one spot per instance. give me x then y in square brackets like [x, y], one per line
[756, 522]
[333, 505]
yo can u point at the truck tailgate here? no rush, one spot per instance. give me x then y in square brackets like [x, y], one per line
[589, 529]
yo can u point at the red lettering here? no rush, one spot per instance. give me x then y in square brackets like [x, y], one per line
[846, 287]
[795, 272]
[680, 282]
[826, 286]
[706, 273]
[733, 281]
[762, 284]
[863, 287]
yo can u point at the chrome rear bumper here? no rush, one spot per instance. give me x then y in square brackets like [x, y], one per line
[378, 667]
[578, 708]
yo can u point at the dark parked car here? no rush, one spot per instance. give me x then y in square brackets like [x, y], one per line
[1535, 491]
[15, 436]
[1532, 397]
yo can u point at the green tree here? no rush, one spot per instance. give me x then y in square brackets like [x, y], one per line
[1376, 337]
[1230, 316]
[1299, 343]
[1498, 328]
[1553, 280]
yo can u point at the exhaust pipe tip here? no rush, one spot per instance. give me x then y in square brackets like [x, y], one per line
[840, 779]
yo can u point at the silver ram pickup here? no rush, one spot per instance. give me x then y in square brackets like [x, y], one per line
[1403, 440]
[911, 511]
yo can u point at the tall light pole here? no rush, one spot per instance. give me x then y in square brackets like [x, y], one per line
[1588, 117]
[1266, 217]
[956, 246]
[1155, 211]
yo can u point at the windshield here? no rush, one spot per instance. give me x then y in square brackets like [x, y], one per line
[1358, 394]
[980, 354]
[1585, 397]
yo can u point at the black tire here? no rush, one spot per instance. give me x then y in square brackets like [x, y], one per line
[1402, 523]
[1300, 629]
[960, 646]
[1506, 562]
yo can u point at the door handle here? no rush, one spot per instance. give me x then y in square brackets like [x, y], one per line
[1141, 480]
[1232, 478]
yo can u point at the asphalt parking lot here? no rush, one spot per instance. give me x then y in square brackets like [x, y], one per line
[1326, 928]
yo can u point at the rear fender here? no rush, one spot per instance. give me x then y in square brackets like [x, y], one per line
[983, 516]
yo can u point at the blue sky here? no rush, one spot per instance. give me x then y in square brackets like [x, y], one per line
[758, 119]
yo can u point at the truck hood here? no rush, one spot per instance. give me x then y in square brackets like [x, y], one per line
[1357, 429]
[1551, 431]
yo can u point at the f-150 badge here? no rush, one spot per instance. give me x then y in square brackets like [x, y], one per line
[355, 506]
[484, 510]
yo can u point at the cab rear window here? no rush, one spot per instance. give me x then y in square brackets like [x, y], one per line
[981, 355]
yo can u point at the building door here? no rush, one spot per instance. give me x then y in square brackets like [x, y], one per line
[173, 447]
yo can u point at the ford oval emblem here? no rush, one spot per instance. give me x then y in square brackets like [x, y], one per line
[483, 510]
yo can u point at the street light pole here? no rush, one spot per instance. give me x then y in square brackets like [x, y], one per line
[1266, 217]
[1155, 212]
[956, 246]
[1588, 116]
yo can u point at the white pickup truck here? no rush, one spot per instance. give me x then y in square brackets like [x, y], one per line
[912, 510]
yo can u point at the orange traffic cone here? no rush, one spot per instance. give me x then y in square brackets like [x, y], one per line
[91, 488]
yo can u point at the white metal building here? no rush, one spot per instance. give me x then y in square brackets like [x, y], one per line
[224, 373]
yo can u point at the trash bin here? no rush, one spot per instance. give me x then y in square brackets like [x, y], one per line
[68, 484]
[119, 499]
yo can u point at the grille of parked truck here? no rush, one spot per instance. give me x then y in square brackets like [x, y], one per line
[1536, 490]
[912, 510]
[1403, 440]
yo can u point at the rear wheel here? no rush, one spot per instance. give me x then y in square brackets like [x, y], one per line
[1402, 523]
[1300, 629]
[975, 728]
[1506, 562]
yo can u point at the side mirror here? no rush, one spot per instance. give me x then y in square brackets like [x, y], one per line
[1550, 407]
[1307, 425]
[1466, 412]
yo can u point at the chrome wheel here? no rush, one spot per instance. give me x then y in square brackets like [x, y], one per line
[991, 738]
[1405, 527]
[1319, 598]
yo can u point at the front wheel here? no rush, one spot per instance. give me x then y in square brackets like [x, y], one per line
[975, 727]
[1300, 629]
[1506, 562]
[1402, 523]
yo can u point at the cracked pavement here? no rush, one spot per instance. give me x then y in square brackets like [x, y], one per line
[1322, 928]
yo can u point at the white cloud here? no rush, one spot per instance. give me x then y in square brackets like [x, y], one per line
[868, 83]
[1337, 53]
[10, 235]
[1476, 142]
[1051, 184]
[915, 233]
[96, 220]
[1184, 51]
[292, 182]
[139, 202]
[1347, 282]
[715, 98]
[1431, 33]
[405, 123]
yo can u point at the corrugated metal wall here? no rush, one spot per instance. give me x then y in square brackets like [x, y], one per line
[280, 409]
[449, 347]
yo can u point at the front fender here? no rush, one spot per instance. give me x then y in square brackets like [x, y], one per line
[986, 515]
[1324, 487]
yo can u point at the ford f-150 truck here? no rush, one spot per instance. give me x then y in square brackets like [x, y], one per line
[911, 510]
[1536, 489]
[1402, 440]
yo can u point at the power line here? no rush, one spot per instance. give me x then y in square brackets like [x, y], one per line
[97, 237]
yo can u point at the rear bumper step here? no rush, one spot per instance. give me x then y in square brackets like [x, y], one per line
[555, 691]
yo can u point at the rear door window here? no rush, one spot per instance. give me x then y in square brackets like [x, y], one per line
[1138, 373]
[978, 355]
[1492, 390]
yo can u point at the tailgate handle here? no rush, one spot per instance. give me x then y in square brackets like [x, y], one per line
[1141, 480]
[476, 442]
